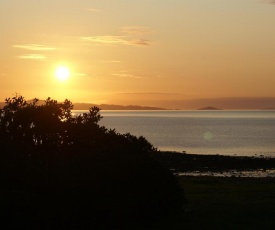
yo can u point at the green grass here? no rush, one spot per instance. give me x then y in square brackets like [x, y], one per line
[229, 203]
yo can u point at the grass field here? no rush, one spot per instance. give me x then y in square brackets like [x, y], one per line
[229, 203]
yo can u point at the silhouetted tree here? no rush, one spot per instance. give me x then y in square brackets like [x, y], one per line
[60, 170]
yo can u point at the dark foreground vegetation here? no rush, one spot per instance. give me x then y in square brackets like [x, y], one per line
[229, 203]
[67, 172]
[59, 171]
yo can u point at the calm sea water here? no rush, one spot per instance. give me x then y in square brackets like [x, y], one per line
[200, 132]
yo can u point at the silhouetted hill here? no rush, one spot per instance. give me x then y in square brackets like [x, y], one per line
[232, 103]
[86, 106]
[236, 103]
[209, 108]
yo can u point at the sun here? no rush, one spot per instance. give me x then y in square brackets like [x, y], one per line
[62, 73]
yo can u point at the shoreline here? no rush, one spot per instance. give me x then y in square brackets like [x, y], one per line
[183, 164]
[231, 174]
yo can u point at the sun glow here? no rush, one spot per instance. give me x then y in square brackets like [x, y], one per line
[62, 73]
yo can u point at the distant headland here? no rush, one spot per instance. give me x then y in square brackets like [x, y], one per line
[209, 108]
[191, 105]
[86, 106]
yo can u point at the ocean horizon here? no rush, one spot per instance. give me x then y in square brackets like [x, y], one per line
[224, 132]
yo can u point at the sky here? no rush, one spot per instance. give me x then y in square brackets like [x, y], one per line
[141, 52]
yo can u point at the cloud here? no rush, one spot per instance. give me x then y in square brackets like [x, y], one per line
[148, 93]
[112, 61]
[116, 40]
[125, 75]
[140, 42]
[34, 47]
[135, 30]
[94, 10]
[106, 39]
[127, 36]
[40, 57]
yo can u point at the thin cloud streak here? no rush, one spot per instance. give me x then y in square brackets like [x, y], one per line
[140, 42]
[128, 36]
[94, 10]
[125, 75]
[35, 47]
[40, 57]
[106, 39]
[148, 93]
[116, 40]
[135, 30]
[112, 61]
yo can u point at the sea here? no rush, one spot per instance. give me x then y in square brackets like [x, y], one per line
[241, 133]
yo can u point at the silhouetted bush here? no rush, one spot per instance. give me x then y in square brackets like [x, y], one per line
[60, 170]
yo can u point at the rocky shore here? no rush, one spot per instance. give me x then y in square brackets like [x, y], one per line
[182, 163]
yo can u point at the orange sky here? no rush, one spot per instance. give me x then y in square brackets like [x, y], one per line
[137, 52]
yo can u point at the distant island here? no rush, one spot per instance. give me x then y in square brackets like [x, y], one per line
[209, 108]
[196, 106]
[86, 106]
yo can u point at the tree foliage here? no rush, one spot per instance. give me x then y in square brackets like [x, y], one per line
[52, 126]
[71, 171]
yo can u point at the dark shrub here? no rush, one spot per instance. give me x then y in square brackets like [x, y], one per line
[59, 170]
